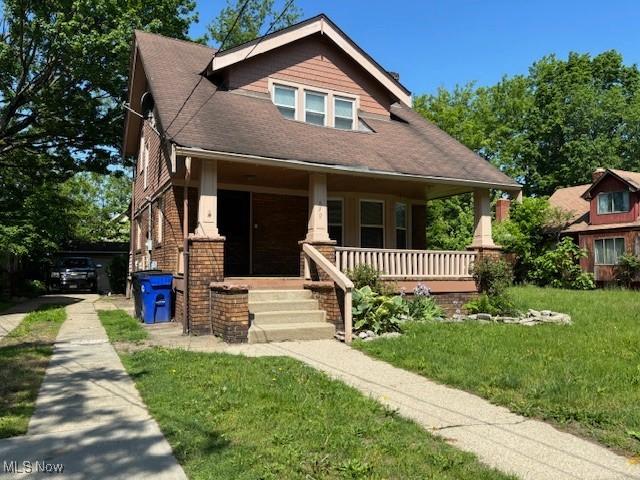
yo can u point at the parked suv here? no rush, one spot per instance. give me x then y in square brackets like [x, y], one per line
[74, 273]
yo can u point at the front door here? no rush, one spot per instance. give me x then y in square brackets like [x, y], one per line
[234, 223]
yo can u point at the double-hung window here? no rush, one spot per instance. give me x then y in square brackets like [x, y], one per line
[315, 107]
[334, 206]
[608, 250]
[401, 225]
[159, 220]
[285, 99]
[371, 224]
[343, 113]
[613, 202]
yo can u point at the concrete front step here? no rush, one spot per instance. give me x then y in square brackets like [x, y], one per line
[283, 332]
[274, 295]
[282, 305]
[288, 316]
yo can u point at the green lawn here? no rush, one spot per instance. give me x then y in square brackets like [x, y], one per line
[24, 355]
[122, 327]
[274, 418]
[584, 377]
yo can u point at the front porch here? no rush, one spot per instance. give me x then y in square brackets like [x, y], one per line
[268, 227]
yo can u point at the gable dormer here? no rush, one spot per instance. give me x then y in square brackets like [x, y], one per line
[614, 197]
[313, 73]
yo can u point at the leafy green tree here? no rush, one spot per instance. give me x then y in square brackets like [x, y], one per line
[256, 18]
[532, 228]
[98, 202]
[450, 223]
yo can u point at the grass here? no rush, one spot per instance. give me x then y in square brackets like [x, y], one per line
[122, 327]
[274, 418]
[584, 377]
[24, 356]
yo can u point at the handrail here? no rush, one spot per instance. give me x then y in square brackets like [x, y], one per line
[399, 250]
[338, 278]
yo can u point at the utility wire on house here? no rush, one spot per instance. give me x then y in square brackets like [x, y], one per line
[273, 24]
[224, 40]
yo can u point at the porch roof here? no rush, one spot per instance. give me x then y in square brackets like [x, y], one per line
[241, 124]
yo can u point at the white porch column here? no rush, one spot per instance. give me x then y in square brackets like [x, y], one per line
[318, 227]
[482, 213]
[208, 201]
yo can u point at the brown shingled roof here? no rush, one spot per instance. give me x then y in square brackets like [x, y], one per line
[570, 200]
[229, 122]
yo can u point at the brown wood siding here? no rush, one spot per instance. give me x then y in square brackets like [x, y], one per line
[612, 184]
[606, 273]
[280, 222]
[316, 62]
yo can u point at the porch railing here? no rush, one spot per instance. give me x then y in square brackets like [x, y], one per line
[408, 263]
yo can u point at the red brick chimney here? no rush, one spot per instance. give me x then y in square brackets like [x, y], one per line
[597, 173]
[502, 209]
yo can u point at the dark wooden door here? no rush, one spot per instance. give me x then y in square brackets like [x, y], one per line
[234, 223]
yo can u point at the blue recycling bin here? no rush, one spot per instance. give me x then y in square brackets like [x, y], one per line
[155, 293]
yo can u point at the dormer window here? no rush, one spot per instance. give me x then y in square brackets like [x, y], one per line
[285, 100]
[613, 202]
[343, 113]
[315, 107]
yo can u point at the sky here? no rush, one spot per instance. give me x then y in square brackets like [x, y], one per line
[436, 43]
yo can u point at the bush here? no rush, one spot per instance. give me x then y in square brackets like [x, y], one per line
[422, 306]
[366, 276]
[628, 269]
[31, 288]
[117, 272]
[560, 268]
[496, 305]
[378, 313]
[492, 276]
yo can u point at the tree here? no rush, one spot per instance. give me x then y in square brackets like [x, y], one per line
[97, 201]
[256, 18]
[64, 74]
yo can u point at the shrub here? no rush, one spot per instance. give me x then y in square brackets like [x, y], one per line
[364, 275]
[117, 273]
[560, 268]
[496, 305]
[492, 276]
[378, 313]
[628, 269]
[31, 288]
[422, 306]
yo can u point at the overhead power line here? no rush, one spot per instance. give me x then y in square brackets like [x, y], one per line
[273, 24]
[224, 40]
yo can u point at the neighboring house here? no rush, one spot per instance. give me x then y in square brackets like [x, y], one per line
[296, 141]
[605, 218]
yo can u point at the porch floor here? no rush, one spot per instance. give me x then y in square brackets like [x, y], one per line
[269, 283]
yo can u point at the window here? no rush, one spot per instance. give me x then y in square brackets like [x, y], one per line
[315, 106]
[285, 100]
[159, 221]
[138, 234]
[145, 166]
[371, 224]
[343, 113]
[335, 220]
[608, 250]
[401, 225]
[613, 202]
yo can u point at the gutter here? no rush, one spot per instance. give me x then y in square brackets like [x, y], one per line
[324, 168]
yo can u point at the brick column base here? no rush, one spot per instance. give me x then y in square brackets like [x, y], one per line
[230, 312]
[488, 252]
[328, 249]
[330, 299]
[206, 265]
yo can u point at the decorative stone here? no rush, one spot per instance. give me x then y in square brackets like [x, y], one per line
[533, 313]
[546, 313]
[483, 316]
[363, 335]
[390, 335]
[473, 316]
[370, 333]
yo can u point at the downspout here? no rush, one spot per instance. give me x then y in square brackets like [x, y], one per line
[186, 321]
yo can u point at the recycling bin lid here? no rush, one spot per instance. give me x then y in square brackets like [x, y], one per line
[160, 279]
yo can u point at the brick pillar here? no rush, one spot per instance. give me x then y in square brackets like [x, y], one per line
[328, 249]
[206, 265]
[230, 312]
[502, 209]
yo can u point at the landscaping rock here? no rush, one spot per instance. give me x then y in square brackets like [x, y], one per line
[363, 335]
[390, 335]
[483, 316]
[371, 333]
[531, 318]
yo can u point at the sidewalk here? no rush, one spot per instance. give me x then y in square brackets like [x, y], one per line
[89, 416]
[11, 318]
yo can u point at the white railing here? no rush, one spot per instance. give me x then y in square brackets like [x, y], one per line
[339, 278]
[408, 263]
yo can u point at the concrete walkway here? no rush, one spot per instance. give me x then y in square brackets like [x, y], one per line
[11, 318]
[89, 416]
[527, 448]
